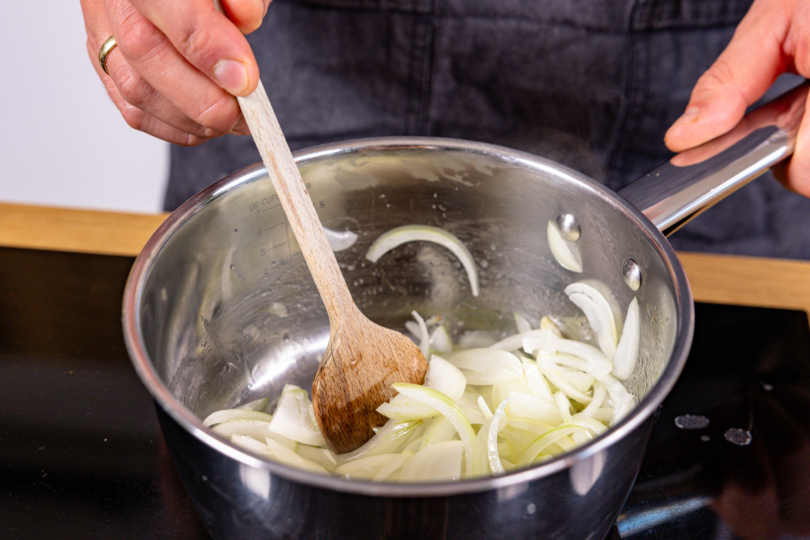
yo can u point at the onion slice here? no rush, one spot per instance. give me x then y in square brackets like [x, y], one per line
[521, 323]
[435, 463]
[498, 421]
[293, 417]
[340, 240]
[486, 366]
[226, 415]
[566, 255]
[627, 351]
[448, 409]
[597, 363]
[424, 337]
[598, 312]
[445, 377]
[411, 233]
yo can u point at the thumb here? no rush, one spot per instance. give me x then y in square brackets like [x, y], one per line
[742, 73]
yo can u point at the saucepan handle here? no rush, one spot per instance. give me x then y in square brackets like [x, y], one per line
[696, 179]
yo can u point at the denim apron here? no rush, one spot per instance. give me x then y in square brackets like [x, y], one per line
[591, 84]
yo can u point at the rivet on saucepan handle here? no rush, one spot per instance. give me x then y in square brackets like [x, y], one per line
[632, 274]
[696, 179]
[569, 228]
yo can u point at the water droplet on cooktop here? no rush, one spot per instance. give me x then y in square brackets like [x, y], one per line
[738, 436]
[691, 421]
[767, 387]
[705, 438]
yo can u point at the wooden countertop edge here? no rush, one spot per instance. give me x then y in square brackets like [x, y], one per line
[722, 279]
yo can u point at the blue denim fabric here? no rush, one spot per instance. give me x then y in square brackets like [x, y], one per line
[592, 84]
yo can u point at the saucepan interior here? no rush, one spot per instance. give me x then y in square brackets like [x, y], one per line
[221, 310]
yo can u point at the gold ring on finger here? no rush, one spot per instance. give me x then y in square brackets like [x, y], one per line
[104, 52]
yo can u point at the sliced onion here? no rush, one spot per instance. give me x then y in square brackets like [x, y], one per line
[388, 472]
[468, 403]
[445, 377]
[547, 324]
[551, 436]
[365, 468]
[424, 337]
[566, 388]
[339, 241]
[402, 408]
[293, 417]
[579, 380]
[410, 233]
[258, 405]
[440, 429]
[536, 381]
[605, 335]
[438, 462]
[598, 311]
[322, 456]
[521, 323]
[482, 404]
[497, 422]
[598, 364]
[598, 398]
[564, 405]
[257, 429]
[388, 439]
[446, 407]
[486, 366]
[533, 408]
[226, 415]
[515, 342]
[587, 422]
[567, 255]
[624, 362]
[440, 340]
[502, 391]
[288, 457]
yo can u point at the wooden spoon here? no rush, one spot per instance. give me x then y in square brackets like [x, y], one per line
[362, 359]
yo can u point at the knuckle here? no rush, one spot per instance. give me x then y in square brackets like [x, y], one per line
[134, 117]
[195, 44]
[139, 39]
[134, 89]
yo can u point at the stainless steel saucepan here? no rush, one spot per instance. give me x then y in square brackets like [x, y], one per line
[220, 310]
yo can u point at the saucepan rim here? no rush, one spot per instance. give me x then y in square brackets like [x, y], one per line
[190, 422]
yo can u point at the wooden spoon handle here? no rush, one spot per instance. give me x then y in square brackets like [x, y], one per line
[292, 193]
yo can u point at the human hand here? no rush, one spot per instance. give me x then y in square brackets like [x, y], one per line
[773, 38]
[178, 65]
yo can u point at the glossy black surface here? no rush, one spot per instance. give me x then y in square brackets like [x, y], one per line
[82, 456]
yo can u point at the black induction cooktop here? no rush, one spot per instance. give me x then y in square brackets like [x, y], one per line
[82, 456]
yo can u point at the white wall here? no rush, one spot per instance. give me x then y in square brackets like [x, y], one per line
[62, 141]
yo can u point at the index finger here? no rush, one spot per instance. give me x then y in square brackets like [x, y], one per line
[207, 39]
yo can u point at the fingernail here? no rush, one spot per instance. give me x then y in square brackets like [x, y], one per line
[232, 76]
[690, 115]
[241, 127]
